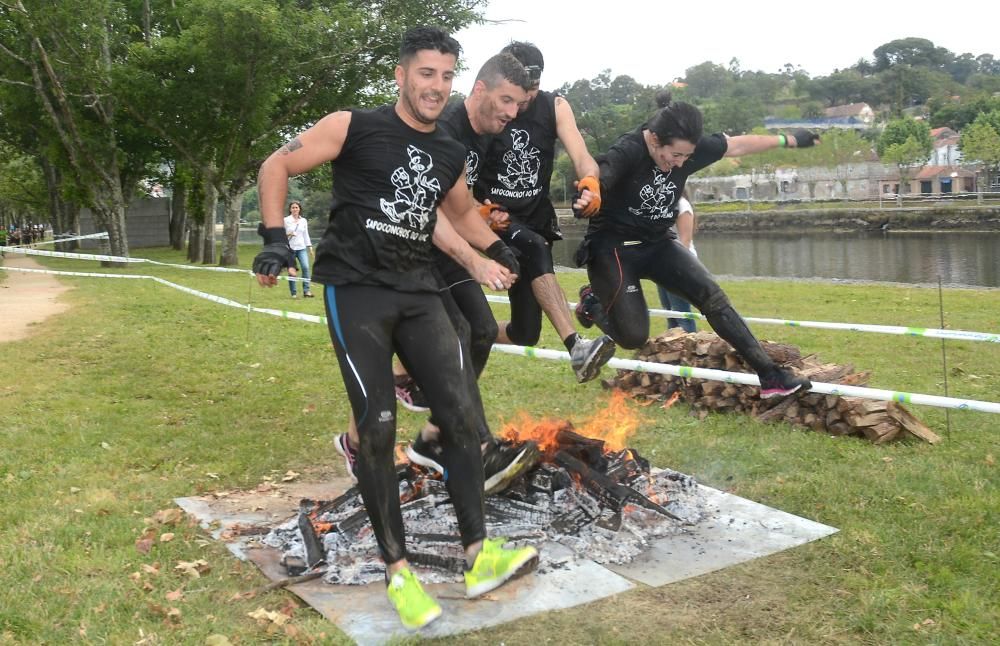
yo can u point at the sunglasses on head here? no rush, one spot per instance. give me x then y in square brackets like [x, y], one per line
[534, 72]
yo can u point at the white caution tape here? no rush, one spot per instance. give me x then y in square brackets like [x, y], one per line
[953, 335]
[91, 236]
[752, 380]
[623, 364]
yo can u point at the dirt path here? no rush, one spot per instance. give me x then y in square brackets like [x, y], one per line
[27, 299]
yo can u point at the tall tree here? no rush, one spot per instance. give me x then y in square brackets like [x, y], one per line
[235, 77]
[981, 142]
[907, 144]
[68, 53]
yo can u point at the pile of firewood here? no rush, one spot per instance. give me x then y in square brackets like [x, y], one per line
[878, 421]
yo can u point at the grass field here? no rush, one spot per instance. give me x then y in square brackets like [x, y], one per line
[140, 394]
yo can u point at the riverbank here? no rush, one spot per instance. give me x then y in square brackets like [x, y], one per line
[933, 218]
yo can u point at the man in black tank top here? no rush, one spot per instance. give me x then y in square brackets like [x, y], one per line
[500, 86]
[394, 171]
[516, 174]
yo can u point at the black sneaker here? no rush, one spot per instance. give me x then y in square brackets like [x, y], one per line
[343, 446]
[409, 394]
[425, 453]
[588, 356]
[503, 463]
[586, 299]
[781, 382]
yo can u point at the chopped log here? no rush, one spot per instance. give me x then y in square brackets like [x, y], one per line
[824, 413]
[913, 425]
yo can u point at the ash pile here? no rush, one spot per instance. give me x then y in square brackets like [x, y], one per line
[604, 505]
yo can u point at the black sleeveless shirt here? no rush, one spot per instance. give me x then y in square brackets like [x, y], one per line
[388, 182]
[638, 200]
[519, 166]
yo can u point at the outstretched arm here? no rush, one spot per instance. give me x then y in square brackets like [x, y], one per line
[750, 144]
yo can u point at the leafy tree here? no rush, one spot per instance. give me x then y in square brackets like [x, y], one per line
[898, 131]
[70, 64]
[915, 52]
[236, 77]
[981, 142]
[707, 80]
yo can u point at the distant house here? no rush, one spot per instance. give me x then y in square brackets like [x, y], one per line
[946, 152]
[931, 180]
[853, 116]
[858, 111]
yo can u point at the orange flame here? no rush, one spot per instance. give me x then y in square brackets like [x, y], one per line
[672, 399]
[614, 424]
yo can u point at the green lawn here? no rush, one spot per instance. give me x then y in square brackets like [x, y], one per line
[140, 394]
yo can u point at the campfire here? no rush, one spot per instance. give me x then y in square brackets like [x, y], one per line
[589, 492]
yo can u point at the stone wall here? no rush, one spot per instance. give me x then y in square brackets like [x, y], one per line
[147, 223]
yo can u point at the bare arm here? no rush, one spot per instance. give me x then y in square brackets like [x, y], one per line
[317, 145]
[484, 271]
[572, 140]
[462, 211]
[750, 144]
[685, 228]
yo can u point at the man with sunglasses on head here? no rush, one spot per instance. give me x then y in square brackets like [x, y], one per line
[516, 174]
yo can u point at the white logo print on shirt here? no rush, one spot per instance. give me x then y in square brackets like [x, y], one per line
[656, 198]
[523, 162]
[416, 195]
[471, 168]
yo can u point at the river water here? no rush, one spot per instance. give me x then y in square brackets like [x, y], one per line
[958, 259]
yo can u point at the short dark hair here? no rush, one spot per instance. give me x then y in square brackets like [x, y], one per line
[529, 55]
[675, 120]
[503, 67]
[421, 38]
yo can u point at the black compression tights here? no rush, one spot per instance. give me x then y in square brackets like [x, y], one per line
[367, 325]
[534, 254]
[615, 272]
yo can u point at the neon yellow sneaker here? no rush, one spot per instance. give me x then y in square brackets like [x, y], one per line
[495, 565]
[416, 608]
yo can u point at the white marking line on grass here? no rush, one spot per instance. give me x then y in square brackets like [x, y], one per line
[623, 364]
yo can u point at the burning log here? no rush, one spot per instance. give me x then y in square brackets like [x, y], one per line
[879, 422]
[605, 489]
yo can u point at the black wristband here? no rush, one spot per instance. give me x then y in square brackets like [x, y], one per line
[496, 249]
[273, 235]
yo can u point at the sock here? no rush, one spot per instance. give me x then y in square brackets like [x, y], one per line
[571, 340]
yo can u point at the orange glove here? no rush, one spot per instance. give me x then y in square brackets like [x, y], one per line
[491, 213]
[591, 184]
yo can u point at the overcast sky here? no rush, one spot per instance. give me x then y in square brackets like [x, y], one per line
[655, 41]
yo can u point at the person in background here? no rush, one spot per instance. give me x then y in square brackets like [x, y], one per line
[684, 228]
[297, 230]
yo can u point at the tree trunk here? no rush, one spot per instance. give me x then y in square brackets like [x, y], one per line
[195, 241]
[233, 200]
[178, 215]
[208, 242]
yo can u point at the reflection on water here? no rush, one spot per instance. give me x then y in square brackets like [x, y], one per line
[957, 258]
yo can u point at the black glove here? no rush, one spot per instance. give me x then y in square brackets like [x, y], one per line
[276, 254]
[501, 253]
[804, 138]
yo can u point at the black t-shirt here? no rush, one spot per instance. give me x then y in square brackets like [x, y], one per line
[455, 121]
[389, 181]
[638, 200]
[519, 165]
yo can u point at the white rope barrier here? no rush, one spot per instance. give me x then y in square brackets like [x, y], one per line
[623, 364]
[899, 330]
[752, 380]
[952, 335]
